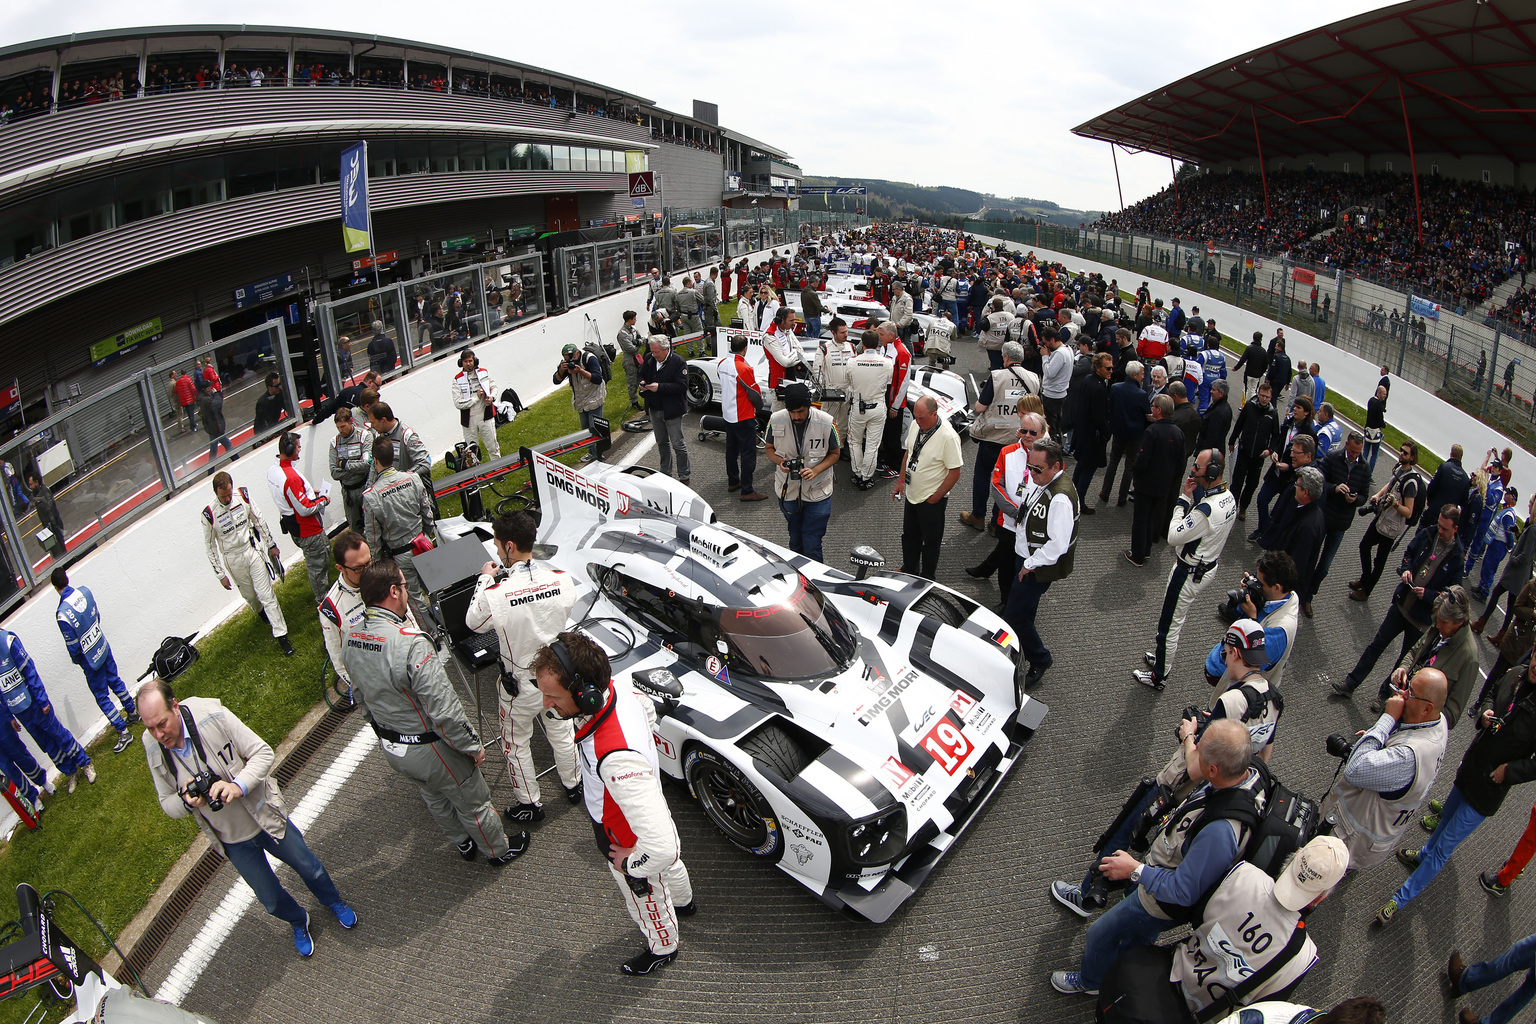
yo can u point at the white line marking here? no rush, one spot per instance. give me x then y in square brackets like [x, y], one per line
[639, 451]
[221, 922]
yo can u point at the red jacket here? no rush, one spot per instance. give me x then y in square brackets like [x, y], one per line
[186, 391]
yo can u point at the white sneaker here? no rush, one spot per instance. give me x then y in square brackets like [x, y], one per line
[71, 787]
[1070, 983]
[90, 774]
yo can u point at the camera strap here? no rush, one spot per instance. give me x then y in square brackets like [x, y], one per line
[197, 747]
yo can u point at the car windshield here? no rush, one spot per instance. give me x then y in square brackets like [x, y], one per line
[800, 636]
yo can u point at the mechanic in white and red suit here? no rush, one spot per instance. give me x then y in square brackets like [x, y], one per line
[622, 784]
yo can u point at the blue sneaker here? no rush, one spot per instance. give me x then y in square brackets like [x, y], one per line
[344, 913]
[301, 940]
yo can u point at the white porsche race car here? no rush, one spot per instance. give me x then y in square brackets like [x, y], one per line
[823, 720]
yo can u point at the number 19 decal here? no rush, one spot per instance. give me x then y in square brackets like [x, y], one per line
[947, 744]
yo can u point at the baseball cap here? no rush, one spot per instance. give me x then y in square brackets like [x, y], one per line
[568, 350]
[796, 396]
[1315, 869]
[1247, 636]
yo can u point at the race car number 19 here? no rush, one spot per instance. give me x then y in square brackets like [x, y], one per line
[948, 745]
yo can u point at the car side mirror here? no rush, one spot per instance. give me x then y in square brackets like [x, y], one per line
[864, 558]
[659, 683]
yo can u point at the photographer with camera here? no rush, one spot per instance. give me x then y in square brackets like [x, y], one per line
[1501, 755]
[1247, 699]
[1395, 507]
[422, 728]
[1268, 595]
[588, 389]
[1432, 563]
[234, 799]
[1388, 769]
[1203, 517]
[630, 818]
[526, 605]
[1192, 848]
[803, 443]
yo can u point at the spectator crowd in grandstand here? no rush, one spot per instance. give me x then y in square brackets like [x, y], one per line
[1363, 223]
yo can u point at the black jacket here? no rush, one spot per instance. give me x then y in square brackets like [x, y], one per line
[1256, 429]
[672, 376]
[1091, 430]
[1215, 425]
[1255, 361]
[1336, 468]
[1447, 487]
[1447, 574]
[1280, 372]
[1304, 535]
[1159, 461]
[1187, 418]
[1128, 408]
[1288, 476]
[1513, 745]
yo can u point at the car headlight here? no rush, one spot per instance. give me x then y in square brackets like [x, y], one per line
[877, 839]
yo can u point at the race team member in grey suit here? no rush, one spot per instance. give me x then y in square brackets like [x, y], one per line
[182, 739]
[526, 605]
[1203, 518]
[396, 509]
[351, 462]
[630, 819]
[422, 728]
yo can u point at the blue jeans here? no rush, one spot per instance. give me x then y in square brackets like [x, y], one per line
[813, 327]
[250, 859]
[1457, 821]
[987, 453]
[953, 305]
[1268, 491]
[1023, 605]
[1120, 839]
[104, 682]
[1325, 560]
[1519, 957]
[1124, 927]
[1372, 450]
[807, 522]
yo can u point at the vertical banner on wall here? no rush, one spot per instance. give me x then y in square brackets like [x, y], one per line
[355, 227]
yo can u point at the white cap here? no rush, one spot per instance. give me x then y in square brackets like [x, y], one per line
[1315, 869]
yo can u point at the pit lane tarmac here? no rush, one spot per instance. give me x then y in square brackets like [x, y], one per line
[441, 940]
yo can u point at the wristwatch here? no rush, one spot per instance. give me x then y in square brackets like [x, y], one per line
[1136, 875]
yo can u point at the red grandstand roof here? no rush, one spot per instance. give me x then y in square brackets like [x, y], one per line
[1465, 70]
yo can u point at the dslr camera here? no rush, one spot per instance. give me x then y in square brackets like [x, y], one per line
[793, 467]
[1200, 716]
[1370, 508]
[199, 786]
[1248, 586]
[1340, 745]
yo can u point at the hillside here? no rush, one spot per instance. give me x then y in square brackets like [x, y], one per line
[941, 204]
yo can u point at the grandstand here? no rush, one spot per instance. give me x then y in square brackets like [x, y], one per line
[1370, 180]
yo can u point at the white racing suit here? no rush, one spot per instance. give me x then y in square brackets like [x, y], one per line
[238, 540]
[477, 415]
[624, 800]
[340, 612]
[527, 608]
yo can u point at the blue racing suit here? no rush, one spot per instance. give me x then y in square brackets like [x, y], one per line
[80, 622]
[1501, 536]
[1492, 501]
[28, 703]
[1213, 365]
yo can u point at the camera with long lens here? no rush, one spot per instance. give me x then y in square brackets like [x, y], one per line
[1370, 508]
[1201, 717]
[793, 467]
[1249, 586]
[1340, 745]
[200, 785]
[1151, 818]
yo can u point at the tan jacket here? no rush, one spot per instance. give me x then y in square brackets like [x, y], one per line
[235, 754]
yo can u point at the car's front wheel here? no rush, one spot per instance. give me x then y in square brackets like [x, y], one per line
[700, 391]
[733, 803]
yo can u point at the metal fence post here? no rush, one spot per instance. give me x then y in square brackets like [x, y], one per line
[1338, 305]
[1493, 369]
[152, 427]
[1450, 354]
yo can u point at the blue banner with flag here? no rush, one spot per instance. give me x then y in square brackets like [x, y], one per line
[1423, 307]
[354, 198]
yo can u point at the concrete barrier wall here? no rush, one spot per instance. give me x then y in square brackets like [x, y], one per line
[1416, 412]
[153, 579]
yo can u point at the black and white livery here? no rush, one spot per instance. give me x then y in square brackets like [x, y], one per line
[846, 729]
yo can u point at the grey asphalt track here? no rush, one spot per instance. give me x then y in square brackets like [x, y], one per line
[441, 940]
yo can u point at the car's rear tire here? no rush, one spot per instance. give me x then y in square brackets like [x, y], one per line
[778, 750]
[733, 803]
[700, 391]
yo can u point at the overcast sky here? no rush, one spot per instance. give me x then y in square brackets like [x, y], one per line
[976, 95]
